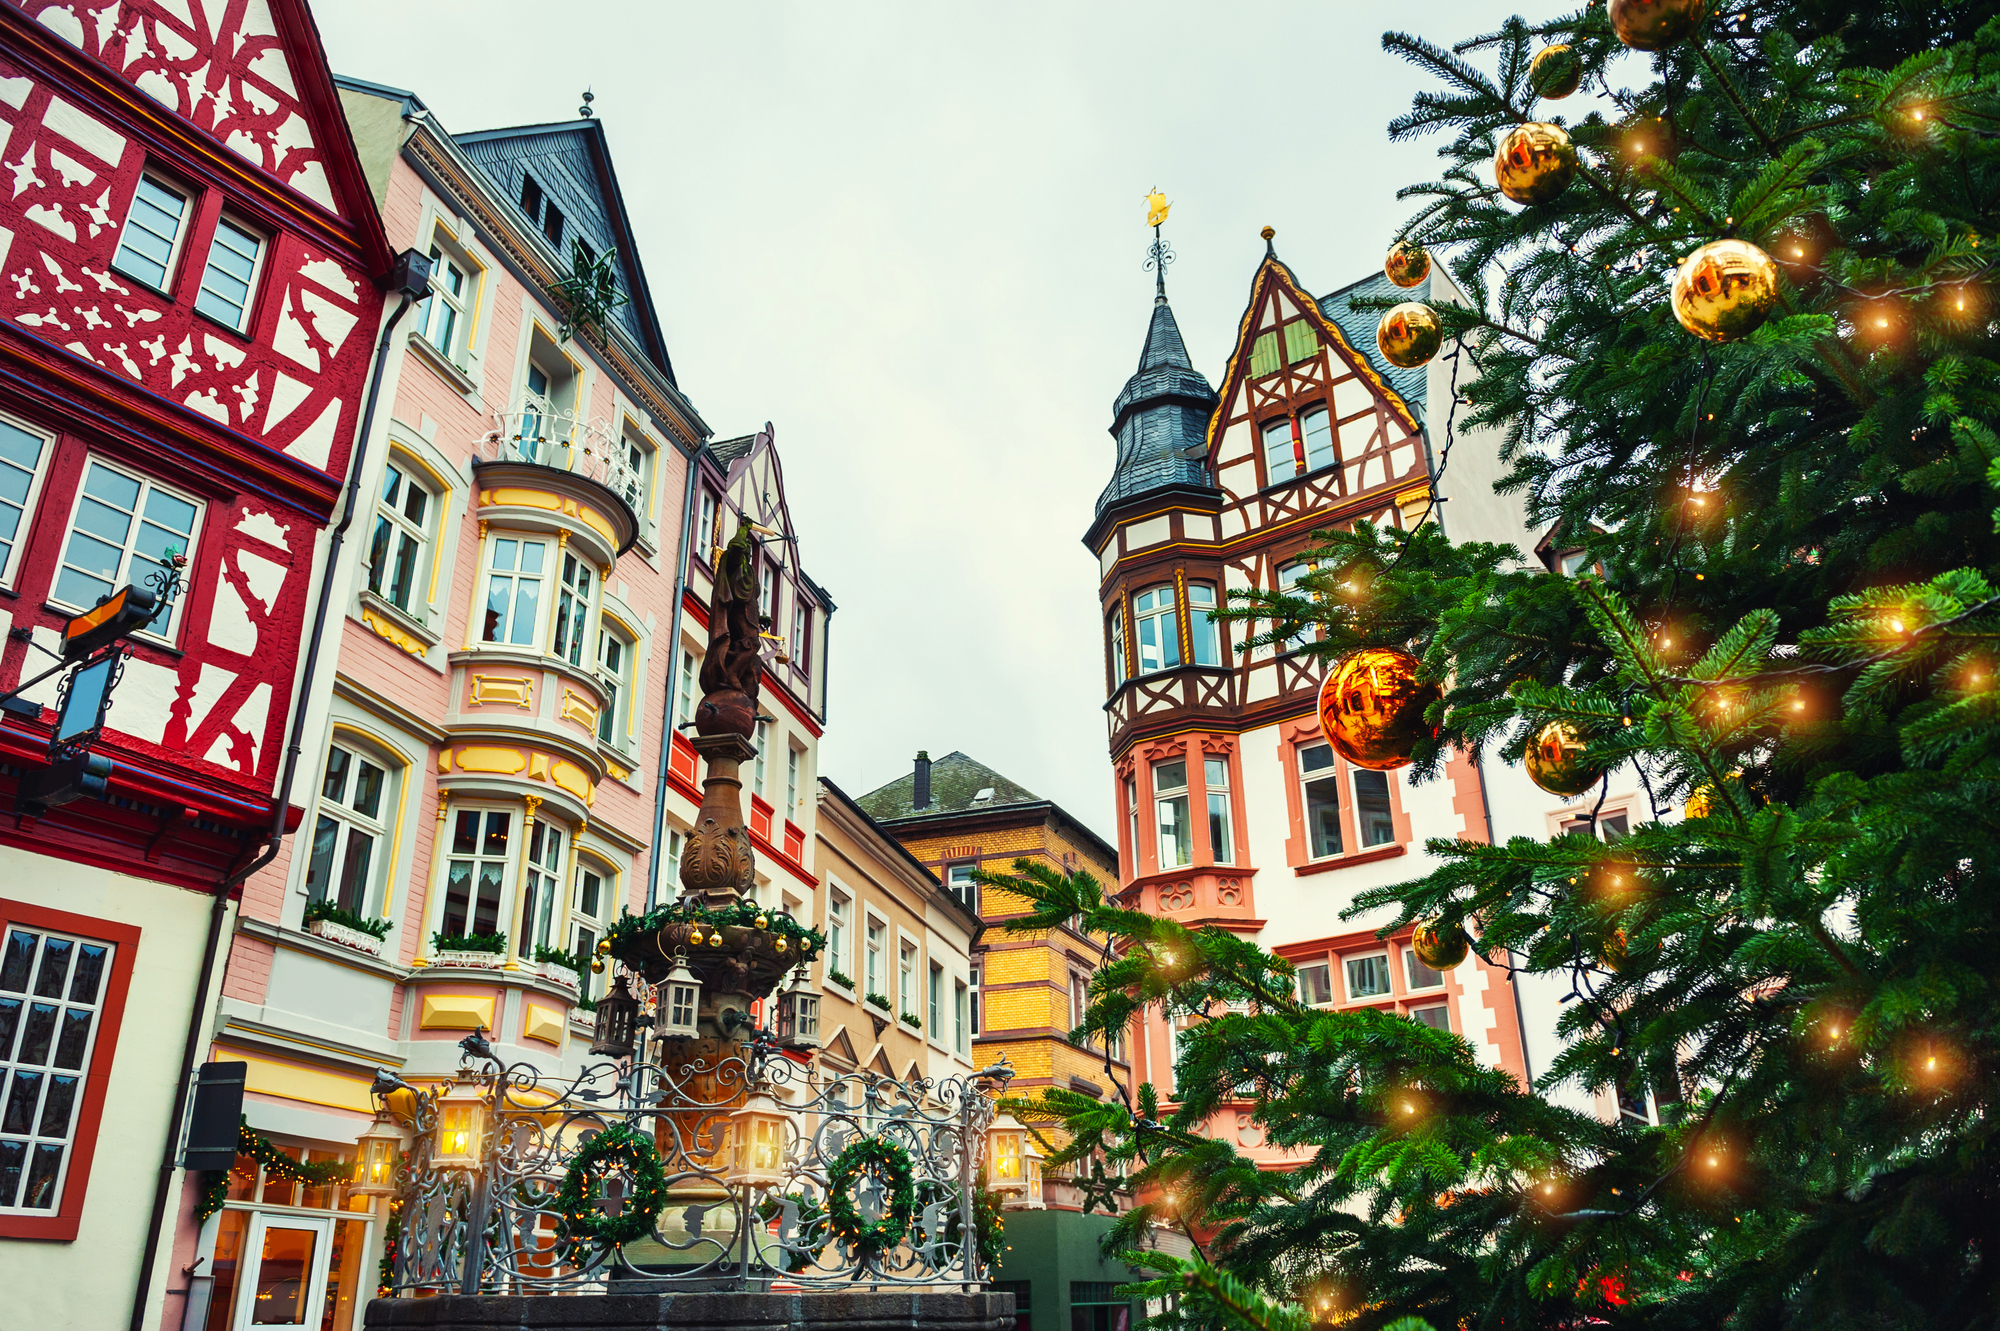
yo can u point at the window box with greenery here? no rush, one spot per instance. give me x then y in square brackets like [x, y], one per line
[877, 1000]
[911, 1020]
[835, 977]
[487, 951]
[560, 967]
[327, 920]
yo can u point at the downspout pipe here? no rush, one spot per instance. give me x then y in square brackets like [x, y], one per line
[693, 456]
[412, 277]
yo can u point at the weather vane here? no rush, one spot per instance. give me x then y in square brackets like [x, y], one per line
[1161, 254]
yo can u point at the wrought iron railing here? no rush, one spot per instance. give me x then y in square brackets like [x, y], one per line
[498, 1228]
[548, 436]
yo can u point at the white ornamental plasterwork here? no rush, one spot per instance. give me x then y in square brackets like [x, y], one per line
[220, 63]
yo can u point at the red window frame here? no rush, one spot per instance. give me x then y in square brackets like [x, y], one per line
[124, 938]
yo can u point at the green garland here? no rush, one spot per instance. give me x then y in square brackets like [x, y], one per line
[583, 1224]
[625, 933]
[215, 1182]
[866, 1153]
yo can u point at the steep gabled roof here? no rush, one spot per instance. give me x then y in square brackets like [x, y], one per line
[956, 782]
[570, 162]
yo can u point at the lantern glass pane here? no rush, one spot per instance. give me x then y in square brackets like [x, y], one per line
[682, 1005]
[809, 1016]
[768, 1150]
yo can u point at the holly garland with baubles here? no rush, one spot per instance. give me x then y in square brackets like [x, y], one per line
[789, 936]
[890, 1164]
[584, 1226]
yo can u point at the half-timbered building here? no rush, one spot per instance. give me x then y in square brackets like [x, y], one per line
[1233, 809]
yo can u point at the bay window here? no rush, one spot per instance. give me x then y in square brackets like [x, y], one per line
[350, 838]
[125, 529]
[539, 880]
[1202, 626]
[1319, 782]
[1158, 622]
[514, 591]
[1170, 803]
[1116, 630]
[595, 906]
[1215, 775]
[399, 550]
[573, 600]
[476, 872]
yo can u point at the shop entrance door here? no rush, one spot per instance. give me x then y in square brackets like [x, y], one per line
[283, 1283]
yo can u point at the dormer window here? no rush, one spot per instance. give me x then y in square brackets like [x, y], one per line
[541, 210]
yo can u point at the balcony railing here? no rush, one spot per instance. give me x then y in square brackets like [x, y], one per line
[546, 436]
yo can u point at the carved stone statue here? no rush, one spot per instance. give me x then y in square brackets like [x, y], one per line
[730, 672]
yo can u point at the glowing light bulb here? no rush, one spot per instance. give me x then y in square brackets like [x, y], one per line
[1881, 323]
[1548, 1187]
[1798, 704]
[1836, 1033]
[1895, 626]
[1798, 251]
[1931, 1062]
[1666, 642]
[1712, 1162]
[1409, 1108]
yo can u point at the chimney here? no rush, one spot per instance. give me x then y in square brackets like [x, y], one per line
[923, 795]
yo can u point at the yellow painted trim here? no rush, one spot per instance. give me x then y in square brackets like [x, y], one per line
[518, 690]
[290, 1081]
[576, 707]
[456, 1012]
[393, 633]
[544, 1024]
[489, 758]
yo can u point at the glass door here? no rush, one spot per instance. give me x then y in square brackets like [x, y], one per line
[283, 1276]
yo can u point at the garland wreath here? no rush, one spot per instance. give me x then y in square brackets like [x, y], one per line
[278, 1165]
[893, 1164]
[582, 1222]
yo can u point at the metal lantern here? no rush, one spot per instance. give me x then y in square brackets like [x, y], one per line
[375, 1158]
[461, 1118]
[1032, 1160]
[758, 1130]
[1008, 1143]
[616, 1013]
[680, 1002]
[798, 1013]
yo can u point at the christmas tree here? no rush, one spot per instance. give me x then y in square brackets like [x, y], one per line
[1737, 324]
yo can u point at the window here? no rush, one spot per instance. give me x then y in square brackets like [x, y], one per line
[398, 551]
[1288, 581]
[1159, 630]
[231, 275]
[1207, 634]
[634, 484]
[573, 608]
[684, 699]
[1116, 630]
[596, 903]
[1281, 451]
[1421, 976]
[1079, 1000]
[535, 412]
[531, 198]
[552, 224]
[1215, 772]
[353, 804]
[540, 886]
[1367, 977]
[763, 764]
[708, 535]
[1093, 1306]
[614, 657]
[1114, 1045]
[1317, 427]
[151, 241]
[794, 758]
[1612, 825]
[936, 1008]
[441, 319]
[123, 531]
[676, 843]
[1170, 803]
[1320, 784]
[958, 1010]
[972, 986]
[21, 455]
[52, 990]
[1132, 821]
[1371, 807]
[767, 596]
[476, 872]
[514, 591]
[801, 652]
[1316, 984]
[958, 881]
[836, 932]
[1437, 1016]
[1023, 1291]
[878, 939]
[906, 979]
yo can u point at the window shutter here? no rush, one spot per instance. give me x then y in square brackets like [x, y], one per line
[1300, 340]
[1264, 356]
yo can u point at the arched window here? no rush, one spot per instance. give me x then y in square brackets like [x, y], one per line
[350, 845]
[1207, 634]
[399, 549]
[1158, 621]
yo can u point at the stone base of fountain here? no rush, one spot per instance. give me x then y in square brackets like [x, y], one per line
[815, 1310]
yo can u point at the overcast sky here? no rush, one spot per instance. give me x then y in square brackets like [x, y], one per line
[912, 237]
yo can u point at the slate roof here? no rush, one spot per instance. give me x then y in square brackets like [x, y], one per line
[571, 162]
[955, 779]
[1359, 325]
[1160, 417]
[728, 450]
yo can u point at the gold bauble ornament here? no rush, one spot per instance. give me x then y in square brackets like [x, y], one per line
[1371, 708]
[1535, 163]
[1653, 25]
[1725, 289]
[604, 947]
[715, 938]
[1701, 803]
[597, 965]
[694, 936]
[1407, 264]
[1440, 947]
[763, 921]
[1555, 72]
[1555, 761]
[778, 946]
[1409, 334]
[1614, 950]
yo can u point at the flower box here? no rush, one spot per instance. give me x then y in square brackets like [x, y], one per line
[557, 973]
[346, 937]
[491, 961]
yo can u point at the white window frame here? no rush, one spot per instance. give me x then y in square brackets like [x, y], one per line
[545, 599]
[690, 666]
[958, 882]
[839, 932]
[676, 846]
[401, 533]
[1204, 631]
[1267, 444]
[1163, 617]
[1120, 670]
[541, 886]
[1217, 793]
[445, 249]
[349, 821]
[1356, 775]
[176, 243]
[637, 465]
[84, 1089]
[801, 643]
[586, 928]
[972, 979]
[909, 956]
[706, 539]
[1173, 801]
[1325, 968]
[1347, 962]
[123, 574]
[1445, 1008]
[1289, 578]
[934, 1011]
[10, 563]
[617, 683]
[1410, 963]
[262, 242]
[794, 768]
[1330, 453]
[761, 771]
[509, 864]
[874, 961]
[575, 608]
[1331, 772]
[960, 1043]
